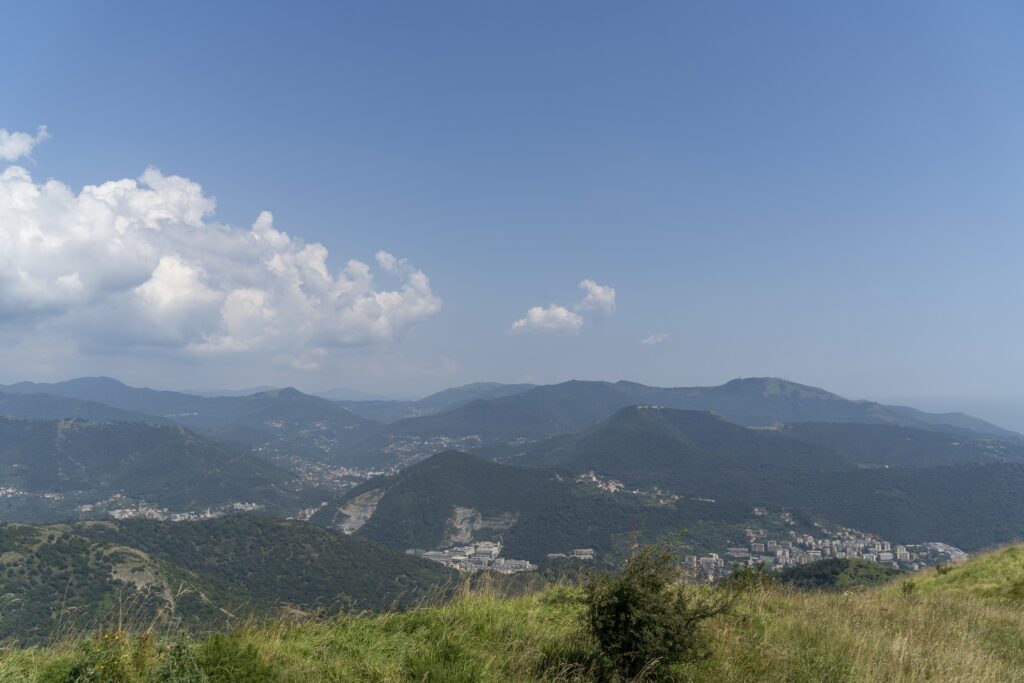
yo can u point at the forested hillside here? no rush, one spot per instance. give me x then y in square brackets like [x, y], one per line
[167, 466]
[196, 574]
[534, 512]
[895, 446]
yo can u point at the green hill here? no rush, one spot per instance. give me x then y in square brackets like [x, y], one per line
[166, 466]
[452, 497]
[994, 578]
[696, 454]
[837, 574]
[689, 452]
[55, 580]
[895, 446]
[969, 506]
[196, 574]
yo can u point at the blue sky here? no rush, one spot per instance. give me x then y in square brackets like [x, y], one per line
[829, 192]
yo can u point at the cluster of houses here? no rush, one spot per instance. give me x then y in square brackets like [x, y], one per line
[609, 485]
[11, 492]
[804, 548]
[485, 555]
[143, 510]
[577, 554]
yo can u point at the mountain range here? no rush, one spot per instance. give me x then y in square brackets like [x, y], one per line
[747, 442]
[755, 402]
[552, 468]
[447, 399]
[501, 426]
[280, 422]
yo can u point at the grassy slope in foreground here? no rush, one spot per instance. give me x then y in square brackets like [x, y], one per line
[997, 577]
[943, 630]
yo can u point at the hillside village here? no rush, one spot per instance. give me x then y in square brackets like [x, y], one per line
[772, 552]
[486, 556]
[483, 556]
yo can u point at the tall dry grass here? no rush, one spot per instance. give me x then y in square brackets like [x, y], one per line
[878, 635]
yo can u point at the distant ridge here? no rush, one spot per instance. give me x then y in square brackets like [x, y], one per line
[280, 420]
[498, 420]
[50, 407]
[569, 406]
[541, 412]
[217, 393]
[448, 399]
[165, 465]
[897, 446]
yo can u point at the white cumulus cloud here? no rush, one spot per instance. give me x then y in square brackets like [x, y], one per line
[598, 297]
[130, 263]
[557, 319]
[15, 145]
[654, 339]
[553, 319]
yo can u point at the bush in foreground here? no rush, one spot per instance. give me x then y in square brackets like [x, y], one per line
[645, 618]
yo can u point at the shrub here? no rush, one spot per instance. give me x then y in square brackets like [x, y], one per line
[179, 665]
[219, 659]
[644, 618]
[224, 660]
[103, 659]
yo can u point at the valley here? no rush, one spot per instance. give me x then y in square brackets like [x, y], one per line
[488, 479]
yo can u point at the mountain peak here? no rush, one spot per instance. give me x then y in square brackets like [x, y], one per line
[100, 381]
[777, 386]
[286, 393]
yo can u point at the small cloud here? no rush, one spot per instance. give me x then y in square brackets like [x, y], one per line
[553, 319]
[598, 297]
[387, 262]
[14, 146]
[556, 319]
[654, 339]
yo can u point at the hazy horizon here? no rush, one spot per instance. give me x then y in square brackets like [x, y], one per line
[1007, 412]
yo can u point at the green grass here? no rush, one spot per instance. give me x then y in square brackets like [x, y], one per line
[476, 637]
[964, 625]
[997, 577]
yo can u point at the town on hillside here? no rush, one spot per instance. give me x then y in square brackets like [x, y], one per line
[486, 556]
[776, 553]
